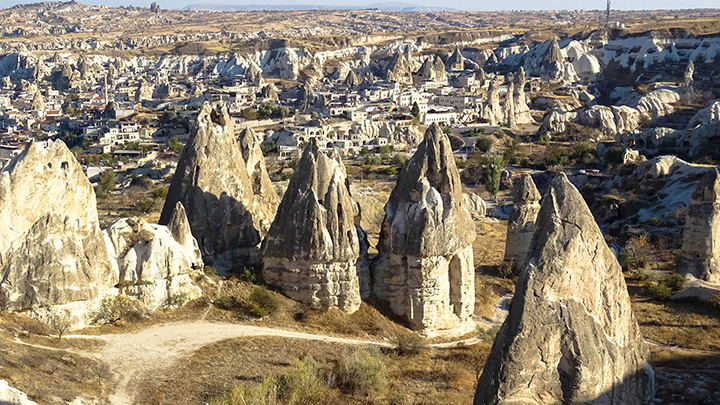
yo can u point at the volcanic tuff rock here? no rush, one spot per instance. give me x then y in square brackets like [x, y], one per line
[425, 268]
[315, 250]
[570, 336]
[57, 261]
[476, 205]
[152, 264]
[521, 224]
[456, 61]
[42, 174]
[262, 188]
[493, 113]
[180, 230]
[214, 186]
[12, 395]
[700, 253]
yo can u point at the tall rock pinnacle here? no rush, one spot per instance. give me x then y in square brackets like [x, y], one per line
[213, 184]
[571, 336]
[314, 249]
[521, 224]
[425, 264]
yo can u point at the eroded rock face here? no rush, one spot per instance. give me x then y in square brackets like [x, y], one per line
[521, 224]
[57, 261]
[700, 253]
[262, 188]
[13, 396]
[213, 184]
[571, 336]
[315, 250]
[425, 268]
[43, 173]
[153, 266]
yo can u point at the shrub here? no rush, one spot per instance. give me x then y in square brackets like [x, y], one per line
[675, 281]
[362, 373]
[263, 302]
[304, 383]
[248, 274]
[60, 322]
[488, 335]
[653, 221]
[484, 144]
[265, 393]
[407, 344]
[614, 155]
[499, 134]
[112, 309]
[399, 159]
[714, 301]
[544, 140]
[660, 291]
[636, 253]
[145, 206]
[225, 302]
[389, 171]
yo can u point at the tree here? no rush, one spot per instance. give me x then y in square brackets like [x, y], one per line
[108, 180]
[493, 168]
[76, 150]
[175, 145]
[250, 114]
[60, 322]
[484, 144]
[415, 111]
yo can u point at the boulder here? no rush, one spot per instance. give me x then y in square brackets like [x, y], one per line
[570, 336]
[213, 184]
[315, 251]
[521, 224]
[424, 271]
[700, 253]
[153, 266]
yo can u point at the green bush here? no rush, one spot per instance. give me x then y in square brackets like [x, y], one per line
[112, 309]
[263, 302]
[636, 253]
[614, 155]
[399, 159]
[499, 134]
[544, 140]
[363, 372]
[653, 221]
[488, 335]
[484, 144]
[390, 170]
[407, 344]
[304, 383]
[675, 281]
[660, 291]
[265, 393]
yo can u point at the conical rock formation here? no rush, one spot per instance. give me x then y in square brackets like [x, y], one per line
[700, 253]
[425, 267]
[314, 249]
[153, 266]
[571, 336]
[262, 188]
[213, 184]
[521, 224]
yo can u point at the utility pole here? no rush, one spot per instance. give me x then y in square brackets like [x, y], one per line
[607, 15]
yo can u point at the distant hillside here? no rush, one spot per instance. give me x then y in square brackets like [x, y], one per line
[407, 7]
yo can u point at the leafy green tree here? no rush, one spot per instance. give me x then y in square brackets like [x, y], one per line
[493, 168]
[108, 180]
[415, 111]
[484, 144]
[175, 145]
[250, 114]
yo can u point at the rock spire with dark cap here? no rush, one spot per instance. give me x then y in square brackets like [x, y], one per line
[521, 224]
[570, 336]
[425, 267]
[700, 253]
[314, 249]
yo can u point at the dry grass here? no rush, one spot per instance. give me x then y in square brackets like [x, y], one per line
[489, 245]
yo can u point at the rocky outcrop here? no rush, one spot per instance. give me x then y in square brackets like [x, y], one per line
[688, 77]
[57, 261]
[305, 98]
[153, 266]
[424, 270]
[570, 336]
[492, 112]
[476, 205]
[399, 69]
[521, 224]
[456, 61]
[180, 230]
[432, 68]
[521, 109]
[351, 80]
[213, 184]
[43, 172]
[262, 188]
[144, 91]
[314, 252]
[711, 113]
[700, 253]
[13, 396]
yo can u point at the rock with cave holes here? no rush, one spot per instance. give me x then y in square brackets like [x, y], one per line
[154, 262]
[44, 178]
[700, 253]
[52, 251]
[570, 336]
[521, 224]
[315, 251]
[424, 271]
[227, 217]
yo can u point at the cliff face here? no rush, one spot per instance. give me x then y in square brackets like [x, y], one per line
[700, 253]
[314, 250]
[213, 184]
[570, 336]
[521, 224]
[425, 268]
